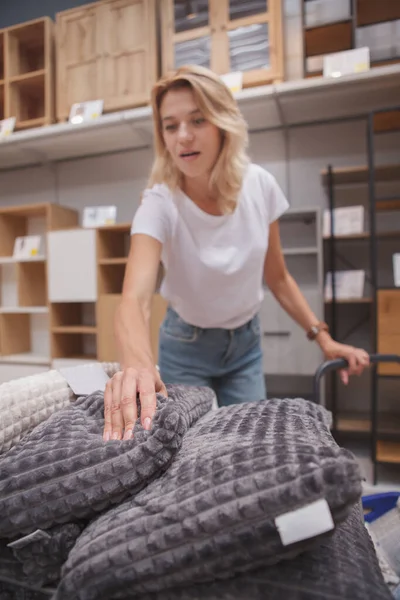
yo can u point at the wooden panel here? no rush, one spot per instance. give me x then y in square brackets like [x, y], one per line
[2, 101]
[11, 227]
[389, 344]
[335, 37]
[15, 333]
[32, 284]
[106, 343]
[129, 52]
[389, 312]
[79, 41]
[158, 311]
[388, 452]
[60, 217]
[1, 55]
[377, 11]
[387, 121]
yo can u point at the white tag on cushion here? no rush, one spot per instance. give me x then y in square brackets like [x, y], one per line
[35, 536]
[304, 523]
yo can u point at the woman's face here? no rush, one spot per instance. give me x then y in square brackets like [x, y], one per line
[192, 141]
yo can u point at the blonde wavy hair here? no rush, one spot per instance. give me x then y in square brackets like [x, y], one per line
[219, 107]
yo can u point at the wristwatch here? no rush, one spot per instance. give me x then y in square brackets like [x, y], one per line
[315, 329]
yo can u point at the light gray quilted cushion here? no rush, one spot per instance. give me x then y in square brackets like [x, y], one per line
[28, 401]
[212, 514]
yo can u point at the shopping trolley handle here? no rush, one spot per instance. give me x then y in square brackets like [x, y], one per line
[342, 363]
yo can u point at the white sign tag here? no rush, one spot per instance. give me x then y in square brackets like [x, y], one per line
[85, 379]
[81, 112]
[234, 81]
[7, 127]
[27, 247]
[97, 216]
[305, 523]
[347, 62]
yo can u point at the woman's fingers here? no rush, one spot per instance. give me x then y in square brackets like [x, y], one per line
[148, 399]
[107, 411]
[128, 401]
[116, 413]
[120, 402]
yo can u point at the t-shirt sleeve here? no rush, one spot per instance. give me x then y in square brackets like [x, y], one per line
[277, 202]
[152, 217]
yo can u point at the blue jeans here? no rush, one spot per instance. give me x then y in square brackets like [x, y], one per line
[227, 360]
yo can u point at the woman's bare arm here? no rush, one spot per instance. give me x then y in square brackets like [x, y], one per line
[138, 373]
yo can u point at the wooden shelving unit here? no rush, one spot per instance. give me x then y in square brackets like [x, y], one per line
[86, 268]
[113, 244]
[28, 51]
[24, 307]
[335, 26]
[106, 50]
[225, 35]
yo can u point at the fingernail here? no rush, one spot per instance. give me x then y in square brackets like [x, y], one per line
[115, 436]
[128, 434]
[106, 437]
[147, 423]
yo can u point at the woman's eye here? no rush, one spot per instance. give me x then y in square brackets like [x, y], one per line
[170, 127]
[199, 121]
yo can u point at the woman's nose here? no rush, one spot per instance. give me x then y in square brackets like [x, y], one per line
[184, 132]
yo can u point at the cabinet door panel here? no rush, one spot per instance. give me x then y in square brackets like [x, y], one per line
[129, 60]
[78, 58]
[72, 275]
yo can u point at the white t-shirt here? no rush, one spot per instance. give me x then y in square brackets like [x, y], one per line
[214, 264]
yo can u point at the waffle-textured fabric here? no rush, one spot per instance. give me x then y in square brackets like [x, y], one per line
[212, 513]
[28, 401]
[63, 471]
[342, 567]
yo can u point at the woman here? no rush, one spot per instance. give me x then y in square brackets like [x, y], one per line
[211, 217]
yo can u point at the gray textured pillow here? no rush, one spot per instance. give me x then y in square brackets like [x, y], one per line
[212, 513]
[63, 471]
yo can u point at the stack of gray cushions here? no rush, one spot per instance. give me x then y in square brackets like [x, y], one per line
[187, 510]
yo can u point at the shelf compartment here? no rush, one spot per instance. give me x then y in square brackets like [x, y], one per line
[27, 101]
[69, 317]
[78, 346]
[113, 261]
[8, 286]
[26, 48]
[113, 242]
[73, 330]
[2, 74]
[360, 174]
[24, 334]
[388, 325]
[327, 39]
[387, 121]
[2, 101]
[370, 12]
[110, 278]
[32, 283]
[388, 452]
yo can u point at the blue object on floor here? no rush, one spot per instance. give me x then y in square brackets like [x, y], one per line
[378, 505]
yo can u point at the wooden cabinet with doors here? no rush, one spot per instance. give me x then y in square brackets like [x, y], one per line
[106, 50]
[225, 36]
